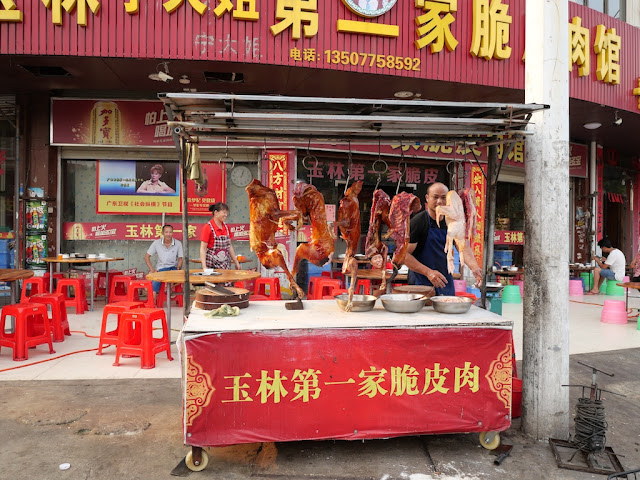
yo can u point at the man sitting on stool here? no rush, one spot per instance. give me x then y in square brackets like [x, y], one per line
[169, 252]
[612, 268]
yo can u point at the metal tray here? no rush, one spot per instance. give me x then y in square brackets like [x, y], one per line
[442, 305]
[403, 302]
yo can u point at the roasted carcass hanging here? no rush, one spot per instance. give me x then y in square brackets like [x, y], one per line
[468, 197]
[264, 214]
[402, 206]
[309, 204]
[375, 249]
[457, 230]
[349, 224]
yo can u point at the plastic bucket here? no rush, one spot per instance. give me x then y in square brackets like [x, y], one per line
[613, 289]
[460, 286]
[496, 303]
[588, 280]
[511, 294]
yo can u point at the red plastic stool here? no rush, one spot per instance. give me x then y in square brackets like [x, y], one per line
[274, 287]
[58, 322]
[141, 320]
[324, 286]
[134, 288]
[80, 298]
[100, 286]
[116, 308]
[333, 292]
[25, 314]
[33, 286]
[162, 295]
[363, 284]
[119, 288]
[311, 287]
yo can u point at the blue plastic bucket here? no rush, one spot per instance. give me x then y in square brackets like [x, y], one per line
[503, 257]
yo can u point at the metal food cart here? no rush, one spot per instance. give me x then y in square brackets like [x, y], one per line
[272, 374]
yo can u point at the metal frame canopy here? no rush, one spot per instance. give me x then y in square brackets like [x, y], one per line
[195, 116]
[348, 119]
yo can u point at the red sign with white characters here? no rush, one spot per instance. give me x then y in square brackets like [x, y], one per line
[214, 189]
[345, 383]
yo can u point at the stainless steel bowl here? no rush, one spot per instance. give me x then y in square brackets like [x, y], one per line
[361, 303]
[450, 304]
[403, 302]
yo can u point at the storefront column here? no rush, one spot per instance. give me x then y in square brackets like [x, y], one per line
[546, 250]
[593, 178]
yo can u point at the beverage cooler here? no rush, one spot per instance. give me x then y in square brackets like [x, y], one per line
[36, 221]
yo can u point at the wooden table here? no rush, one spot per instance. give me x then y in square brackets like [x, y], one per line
[13, 274]
[628, 286]
[508, 273]
[90, 261]
[178, 276]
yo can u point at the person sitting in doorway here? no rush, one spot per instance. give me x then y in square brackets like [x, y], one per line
[611, 268]
[169, 252]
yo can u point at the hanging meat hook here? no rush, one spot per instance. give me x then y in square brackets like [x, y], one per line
[349, 167]
[308, 156]
[226, 158]
[379, 160]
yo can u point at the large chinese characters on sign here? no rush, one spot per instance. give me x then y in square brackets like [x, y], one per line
[345, 383]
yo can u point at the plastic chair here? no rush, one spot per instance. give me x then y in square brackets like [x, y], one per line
[614, 311]
[118, 291]
[363, 285]
[111, 337]
[79, 300]
[21, 339]
[324, 286]
[511, 294]
[33, 286]
[142, 344]
[274, 288]
[614, 289]
[333, 292]
[101, 288]
[161, 298]
[588, 280]
[311, 286]
[58, 322]
[575, 288]
[134, 288]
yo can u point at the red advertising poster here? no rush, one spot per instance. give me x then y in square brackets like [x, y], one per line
[345, 383]
[478, 185]
[578, 160]
[213, 190]
[600, 197]
[112, 122]
[278, 178]
[137, 187]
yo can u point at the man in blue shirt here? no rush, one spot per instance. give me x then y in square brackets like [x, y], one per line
[169, 252]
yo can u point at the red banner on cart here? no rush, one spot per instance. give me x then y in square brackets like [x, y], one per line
[343, 383]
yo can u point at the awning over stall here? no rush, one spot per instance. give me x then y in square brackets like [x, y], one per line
[261, 117]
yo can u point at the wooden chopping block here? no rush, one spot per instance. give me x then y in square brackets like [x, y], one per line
[210, 300]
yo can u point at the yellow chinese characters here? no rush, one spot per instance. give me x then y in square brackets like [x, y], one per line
[491, 30]
[173, 5]
[245, 9]
[238, 389]
[404, 380]
[467, 376]
[56, 7]
[294, 14]
[306, 384]
[132, 7]
[10, 12]
[636, 92]
[607, 47]
[370, 386]
[434, 380]
[579, 47]
[271, 387]
[433, 28]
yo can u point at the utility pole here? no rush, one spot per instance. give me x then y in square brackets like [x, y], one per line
[546, 249]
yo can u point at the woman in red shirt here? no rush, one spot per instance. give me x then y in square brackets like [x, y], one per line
[216, 250]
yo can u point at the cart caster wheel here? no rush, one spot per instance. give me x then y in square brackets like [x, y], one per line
[196, 468]
[490, 440]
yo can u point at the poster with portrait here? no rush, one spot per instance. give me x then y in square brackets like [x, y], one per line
[137, 187]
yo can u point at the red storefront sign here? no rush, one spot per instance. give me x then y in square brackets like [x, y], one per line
[345, 383]
[140, 231]
[278, 174]
[408, 40]
[508, 237]
[479, 186]
[578, 160]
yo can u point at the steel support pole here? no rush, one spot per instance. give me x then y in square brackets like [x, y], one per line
[489, 217]
[546, 249]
